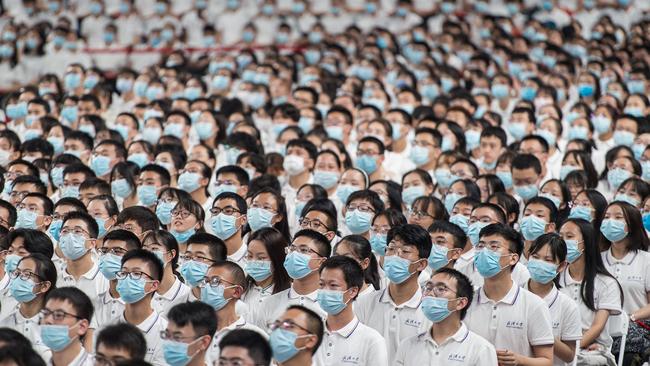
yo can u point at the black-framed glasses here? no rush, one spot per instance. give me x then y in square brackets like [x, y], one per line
[314, 224]
[74, 230]
[166, 335]
[190, 257]
[57, 315]
[24, 275]
[286, 325]
[437, 289]
[421, 214]
[228, 210]
[183, 214]
[214, 281]
[115, 251]
[301, 249]
[136, 275]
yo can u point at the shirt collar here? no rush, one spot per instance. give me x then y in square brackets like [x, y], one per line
[460, 336]
[509, 299]
[239, 254]
[90, 275]
[292, 294]
[147, 324]
[468, 255]
[107, 298]
[627, 260]
[550, 298]
[173, 291]
[413, 302]
[347, 330]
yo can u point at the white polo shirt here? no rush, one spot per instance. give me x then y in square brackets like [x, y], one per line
[92, 283]
[239, 256]
[565, 318]
[151, 327]
[176, 294]
[606, 297]
[465, 259]
[517, 322]
[107, 308]
[30, 328]
[241, 323]
[633, 273]
[463, 348]
[354, 344]
[8, 304]
[255, 295]
[83, 359]
[394, 322]
[275, 305]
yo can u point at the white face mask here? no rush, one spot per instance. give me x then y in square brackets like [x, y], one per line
[4, 157]
[294, 164]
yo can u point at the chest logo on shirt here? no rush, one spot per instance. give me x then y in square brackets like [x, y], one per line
[556, 325]
[456, 357]
[351, 359]
[635, 278]
[515, 324]
[413, 323]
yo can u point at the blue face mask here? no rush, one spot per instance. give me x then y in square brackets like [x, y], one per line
[140, 159]
[411, 193]
[259, 270]
[331, 301]
[175, 353]
[472, 138]
[203, 129]
[451, 199]
[344, 191]
[624, 138]
[26, 219]
[638, 150]
[586, 90]
[419, 155]
[447, 144]
[224, 226]
[11, 262]
[580, 212]
[617, 176]
[182, 236]
[55, 229]
[613, 230]
[474, 230]
[100, 165]
[121, 188]
[163, 210]
[578, 132]
[189, 182]
[626, 198]
[55, 337]
[367, 163]
[436, 309]
[299, 206]
[438, 257]
[283, 344]
[130, 290]
[556, 201]
[57, 144]
[193, 272]
[646, 221]
[443, 177]
[532, 227]
[517, 130]
[22, 290]
[506, 178]
[397, 269]
[73, 246]
[151, 134]
[259, 218]
[487, 263]
[358, 222]
[57, 176]
[335, 132]
[175, 129]
[326, 179]
[221, 188]
[541, 271]
[601, 123]
[461, 221]
[297, 265]
[214, 296]
[109, 265]
[573, 253]
[378, 243]
[526, 192]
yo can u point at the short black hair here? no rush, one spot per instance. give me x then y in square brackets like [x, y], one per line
[237, 171]
[38, 145]
[216, 246]
[130, 239]
[440, 226]
[144, 217]
[150, 258]
[257, 346]
[196, 313]
[352, 271]
[367, 195]
[305, 144]
[236, 271]
[514, 238]
[48, 206]
[34, 241]
[464, 287]
[83, 306]
[123, 336]
[30, 179]
[13, 214]
[163, 174]
[324, 246]
[412, 235]
[526, 161]
[91, 224]
[315, 324]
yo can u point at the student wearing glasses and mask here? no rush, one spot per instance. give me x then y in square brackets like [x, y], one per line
[227, 222]
[119, 343]
[188, 334]
[296, 335]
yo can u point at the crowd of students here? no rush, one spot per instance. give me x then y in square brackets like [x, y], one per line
[352, 182]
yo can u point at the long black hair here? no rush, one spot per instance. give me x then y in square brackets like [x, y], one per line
[360, 247]
[275, 243]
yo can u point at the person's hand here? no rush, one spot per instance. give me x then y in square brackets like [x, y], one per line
[594, 347]
[507, 358]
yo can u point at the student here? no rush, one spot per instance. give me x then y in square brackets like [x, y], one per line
[231, 178]
[104, 209]
[359, 210]
[587, 282]
[265, 266]
[408, 248]
[32, 281]
[296, 335]
[165, 203]
[346, 338]
[540, 216]
[521, 319]
[153, 179]
[526, 176]
[34, 212]
[246, 347]
[137, 281]
[425, 210]
[447, 297]
[448, 242]
[138, 220]
[268, 209]
[17, 348]
[115, 244]
[222, 287]
[65, 321]
[202, 251]
[188, 335]
[172, 290]
[194, 179]
[227, 223]
[119, 343]
[547, 258]
[78, 239]
[298, 165]
[358, 248]
[188, 218]
[305, 254]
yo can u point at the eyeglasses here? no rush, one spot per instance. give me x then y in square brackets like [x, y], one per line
[165, 335]
[105, 361]
[180, 213]
[57, 315]
[24, 275]
[312, 224]
[226, 183]
[301, 249]
[21, 194]
[235, 362]
[438, 290]
[214, 282]
[361, 208]
[12, 175]
[74, 230]
[399, 250]
[422, 143]
[267, 207]
[198, 258]
[228, 210]
[286, 325]
[418, 215]
[381, 230]
[493, 245]
[135, 275]
[31, 208]
[115, 251]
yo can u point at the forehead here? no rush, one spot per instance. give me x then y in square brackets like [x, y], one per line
[58, 304]
[221, 271]
[75, 222]
[27, 263]
[224, 202]
[332, 274]
[136, 264]
[230, 352]
[445, 279]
